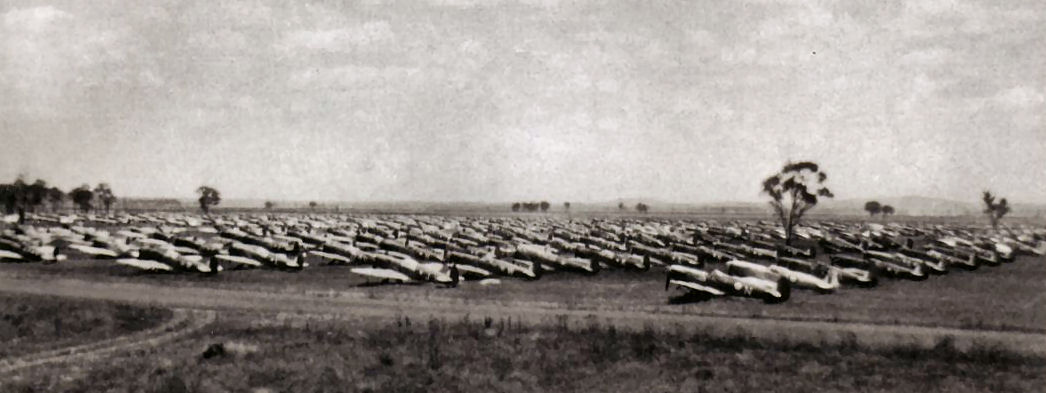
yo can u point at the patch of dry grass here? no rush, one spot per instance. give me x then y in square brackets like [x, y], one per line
[34, 323]
[502, 355]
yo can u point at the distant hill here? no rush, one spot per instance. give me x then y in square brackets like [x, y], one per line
[925, 206]
[905, 206]
[150, 204]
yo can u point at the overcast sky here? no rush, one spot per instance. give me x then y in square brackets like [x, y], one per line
[484, 100]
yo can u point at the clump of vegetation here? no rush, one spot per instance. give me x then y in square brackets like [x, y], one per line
[31, 323]
[533, 206]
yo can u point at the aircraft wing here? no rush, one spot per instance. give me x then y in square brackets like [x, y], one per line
[697, 287]
[384, 274]
[9, 255]
[238, 259]
[144, 264]
[94, 251]
[331, 258]
[186, 251]
[469, 270]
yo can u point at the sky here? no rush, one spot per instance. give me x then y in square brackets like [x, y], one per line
[505, 100]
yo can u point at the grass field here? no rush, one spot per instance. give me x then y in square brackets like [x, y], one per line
[31, 324]
[475, 355]
[1007, 297]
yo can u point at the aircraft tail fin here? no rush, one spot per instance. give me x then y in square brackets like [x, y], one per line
[669, 276]
[784, 287]
[833, 277]
[595, 267]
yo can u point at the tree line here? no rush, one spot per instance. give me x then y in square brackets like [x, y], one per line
[533, 206]
[874, 207]
[544, 206]
[21, 197]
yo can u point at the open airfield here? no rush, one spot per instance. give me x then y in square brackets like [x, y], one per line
[520, 195]
[617, 329]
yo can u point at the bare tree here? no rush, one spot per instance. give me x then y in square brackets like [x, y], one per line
[994, 210]
[794, 191]
[105, 195]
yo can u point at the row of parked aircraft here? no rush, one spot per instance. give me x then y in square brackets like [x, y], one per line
[701, 259]
[754, 263]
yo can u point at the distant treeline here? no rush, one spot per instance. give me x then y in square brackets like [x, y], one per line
[21, 197]
[533, 206]
[148, 204]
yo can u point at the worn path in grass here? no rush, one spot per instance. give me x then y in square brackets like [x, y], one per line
[354, 305]
[181, 323]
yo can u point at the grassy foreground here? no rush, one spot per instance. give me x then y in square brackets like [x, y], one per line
[32, 323]
[488, 355]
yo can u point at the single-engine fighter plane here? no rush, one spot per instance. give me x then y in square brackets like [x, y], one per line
[397, 267]
[26, 250]
[855, 270]
[156, 258]
[743, 279]
[28, 253]
[807, 274]
[692, 279]
[542, 255]
[758, 280]
[266, 257]
[497, 266]
[890, 264]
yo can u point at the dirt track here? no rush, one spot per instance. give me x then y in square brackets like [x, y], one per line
[352, 305]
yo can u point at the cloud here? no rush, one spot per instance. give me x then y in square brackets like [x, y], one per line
[34, 19]
[925, 57]
[51, 56]
[350, 76]
[1020, 97]
[473, 99]
[481, 3]
[340, 40]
